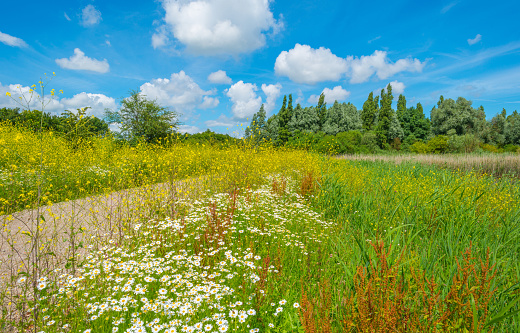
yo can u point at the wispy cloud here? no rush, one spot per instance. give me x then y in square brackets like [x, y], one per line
[374, 39]
[449, 6]
[66, 16]
[475, 40]
[11, 40]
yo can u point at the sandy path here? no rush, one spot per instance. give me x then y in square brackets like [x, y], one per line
[89, 221]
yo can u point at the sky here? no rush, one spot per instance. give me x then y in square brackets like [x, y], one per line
[216, 61]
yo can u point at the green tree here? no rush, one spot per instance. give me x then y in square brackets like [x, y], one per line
[321, 108]
[458, 115]
[512, 128]
[341, 118]
[283, 120]
[142, 118]
[369, 112]
[304, 120]
[385, 116]
[497, 129]
[258, 127]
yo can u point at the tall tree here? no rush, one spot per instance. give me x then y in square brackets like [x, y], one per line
[385, 115]
[497, 129]
[321, 108]
[304, 119]
[283, 120]
[341, 118]
[457, 115]
[368, 113]
[512, 128]
[258, 127]
[143, 118]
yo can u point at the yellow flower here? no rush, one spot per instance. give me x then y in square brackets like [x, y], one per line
[8, 93]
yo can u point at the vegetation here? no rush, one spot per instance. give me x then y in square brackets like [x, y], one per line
[454, 127]
[173, 235]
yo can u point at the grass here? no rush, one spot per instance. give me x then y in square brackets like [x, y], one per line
[246, 239]
[497, 165]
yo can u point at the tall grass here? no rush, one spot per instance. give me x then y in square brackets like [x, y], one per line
[498, 165]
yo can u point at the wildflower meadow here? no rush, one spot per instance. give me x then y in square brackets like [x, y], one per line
[102, 236]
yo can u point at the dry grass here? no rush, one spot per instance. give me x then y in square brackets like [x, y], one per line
[497, 165]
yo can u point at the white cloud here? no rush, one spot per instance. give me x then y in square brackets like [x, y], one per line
[66, 16]
[160, 38]
[90, 16]
[272, 92]
[179, 92]
[189, 129]
[475, 40]
[211, 27]
[397, 88]
[221, 121]
[96, 102]
[331, 95]
[108, 42]
[81, 62]
[209, 103]
[361, 69]
[219, 76]
[245, 101]
[11, 40]
[303, 64]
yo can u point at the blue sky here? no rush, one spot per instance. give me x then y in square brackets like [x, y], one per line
[217, 61]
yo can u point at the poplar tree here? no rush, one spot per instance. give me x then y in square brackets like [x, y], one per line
[385, 115]
[321, 108]
[368, 113]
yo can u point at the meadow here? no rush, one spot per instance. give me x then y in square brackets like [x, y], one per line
[103, 237]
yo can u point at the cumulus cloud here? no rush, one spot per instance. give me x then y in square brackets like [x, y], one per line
[160, 38]
[361, 69]
[244, 98]
[303, 64]
[331, 95]
[397, 88]
[90, 16]
[189, 129]
[81, 62]
[221, 121]
[11, 40]
[219, 77]
[96, 102]
[475, 40]
[179, 92]
[272, 92]
[209, 102]
[211, 27]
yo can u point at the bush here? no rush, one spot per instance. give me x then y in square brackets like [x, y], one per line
[466, 143]
[419, 147]
[370, 141]
[438, 144]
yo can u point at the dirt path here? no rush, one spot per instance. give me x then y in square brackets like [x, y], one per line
[68, 228]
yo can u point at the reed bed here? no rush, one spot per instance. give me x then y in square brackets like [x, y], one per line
[497, 165]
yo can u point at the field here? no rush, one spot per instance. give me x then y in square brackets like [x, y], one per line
[194, 238]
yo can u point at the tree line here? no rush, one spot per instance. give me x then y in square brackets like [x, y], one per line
[453, 126]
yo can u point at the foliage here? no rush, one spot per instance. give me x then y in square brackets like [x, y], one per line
[140, 118]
